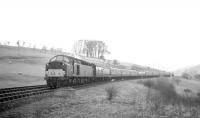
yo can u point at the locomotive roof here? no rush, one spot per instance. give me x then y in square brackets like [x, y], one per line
[77, 60]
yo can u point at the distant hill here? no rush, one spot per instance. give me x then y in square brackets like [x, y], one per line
[10, 52]
[193, 70]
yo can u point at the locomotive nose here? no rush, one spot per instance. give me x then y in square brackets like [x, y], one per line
[55, 69]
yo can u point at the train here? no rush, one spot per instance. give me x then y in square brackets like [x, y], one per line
[63, 70]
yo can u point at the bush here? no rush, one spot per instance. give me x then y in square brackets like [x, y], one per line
[164, 86]
[148, 83]
[186, 75]
[197, 76]
[111, 92]
[177, 81]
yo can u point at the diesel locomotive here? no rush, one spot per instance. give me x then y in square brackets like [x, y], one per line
[63, 70]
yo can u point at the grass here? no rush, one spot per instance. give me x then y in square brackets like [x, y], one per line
[94, 102]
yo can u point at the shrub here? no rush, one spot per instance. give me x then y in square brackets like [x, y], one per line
[197, 76]
[164, 86]
[186, 75]
[177, 81]
[149, 83]
[154, 100]
[111, 92]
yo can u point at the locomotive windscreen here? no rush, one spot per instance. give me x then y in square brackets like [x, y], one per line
[60, 58]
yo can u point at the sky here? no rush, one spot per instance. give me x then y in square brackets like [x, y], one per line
[163, 35]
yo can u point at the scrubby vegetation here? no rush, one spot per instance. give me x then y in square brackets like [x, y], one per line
[162, 95]
[158, 98]
[197, 76]
[111, 92]
[186, 75]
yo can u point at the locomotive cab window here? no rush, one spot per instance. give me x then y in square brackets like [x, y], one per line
[66, 60]
[53, 59]
[59, 58]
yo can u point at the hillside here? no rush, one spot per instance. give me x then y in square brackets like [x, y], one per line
[193, 70]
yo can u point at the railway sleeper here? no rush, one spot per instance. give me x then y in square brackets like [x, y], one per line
[21, 96]
[21, 92]
[7, 90]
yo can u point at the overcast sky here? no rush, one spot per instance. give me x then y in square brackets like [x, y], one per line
[163, 35]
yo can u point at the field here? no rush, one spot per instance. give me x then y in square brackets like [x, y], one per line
[129, 99]
[22, 66]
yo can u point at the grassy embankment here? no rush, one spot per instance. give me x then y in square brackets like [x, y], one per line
[22, 66]
[155, 98]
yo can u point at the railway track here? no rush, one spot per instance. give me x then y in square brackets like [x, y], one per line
[15, 93]
[9, 94]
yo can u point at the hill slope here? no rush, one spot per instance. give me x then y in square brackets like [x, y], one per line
[193, 70]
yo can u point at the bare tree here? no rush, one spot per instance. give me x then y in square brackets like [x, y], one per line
[18, 43]
[90, 48]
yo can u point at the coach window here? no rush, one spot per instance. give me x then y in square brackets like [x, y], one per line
[78, 69]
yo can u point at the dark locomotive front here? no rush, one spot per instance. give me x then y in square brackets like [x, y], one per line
[57, 70]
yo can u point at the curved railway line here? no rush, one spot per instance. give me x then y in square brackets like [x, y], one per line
[15, 93]
[9, 94]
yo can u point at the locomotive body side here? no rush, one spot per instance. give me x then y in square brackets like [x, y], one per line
[116, 73]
